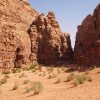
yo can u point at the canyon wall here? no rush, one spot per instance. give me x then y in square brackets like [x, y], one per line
[87, 45]
[15, 19]
[29, 37]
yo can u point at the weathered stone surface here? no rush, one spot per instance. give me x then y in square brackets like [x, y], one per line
[87, 45]
[27, 37]
[48, 44]
[15, 19]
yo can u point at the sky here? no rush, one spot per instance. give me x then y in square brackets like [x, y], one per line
[69, 13]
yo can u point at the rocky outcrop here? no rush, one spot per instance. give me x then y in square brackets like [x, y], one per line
[27, 37]
[15, 19]
[48, 44]
[87, 45]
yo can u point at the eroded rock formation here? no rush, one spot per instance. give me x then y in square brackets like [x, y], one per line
[48, 44]
[87, 45]
[43, 43]
[15, 19]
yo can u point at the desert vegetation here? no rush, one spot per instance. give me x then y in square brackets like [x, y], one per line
[38, 61]
[15, 87]
[43, 78]
[3, 80]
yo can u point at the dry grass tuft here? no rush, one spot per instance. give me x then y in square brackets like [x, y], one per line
[15, 87]
[58, 80]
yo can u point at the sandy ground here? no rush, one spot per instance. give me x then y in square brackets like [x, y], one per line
[51, 91]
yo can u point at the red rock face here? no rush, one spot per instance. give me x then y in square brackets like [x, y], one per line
[15, 19]
[44, 43]
[87, 45]
[48, 43]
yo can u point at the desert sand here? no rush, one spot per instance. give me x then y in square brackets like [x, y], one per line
[51, 91]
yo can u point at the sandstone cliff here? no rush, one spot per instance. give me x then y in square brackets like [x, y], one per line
[48, 44]
[15, 19]
[87, 45]
[27, 37]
